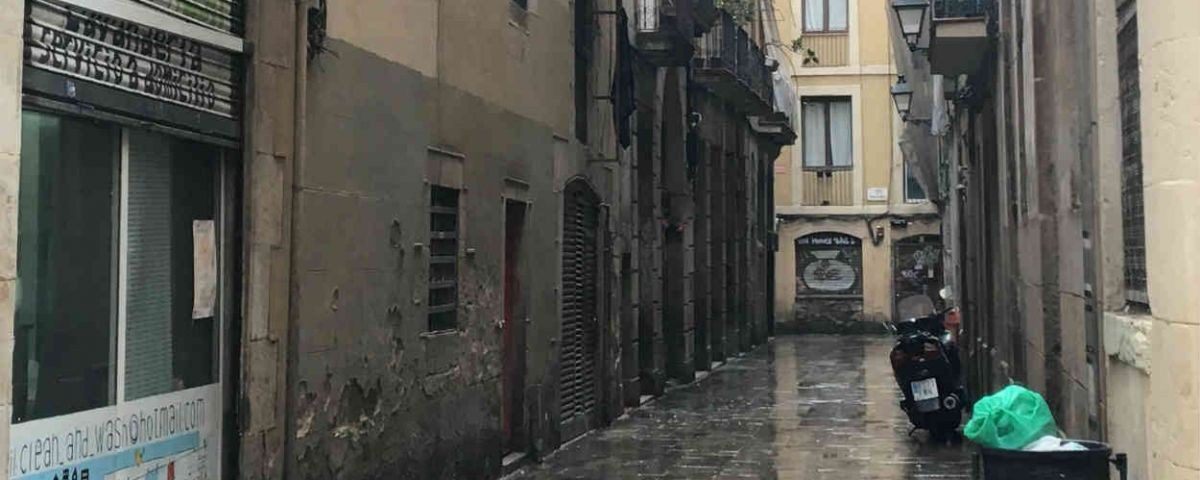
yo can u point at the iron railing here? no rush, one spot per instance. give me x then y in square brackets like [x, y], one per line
[718, 47]
[728, 49]
[654, 16]
[960, 8]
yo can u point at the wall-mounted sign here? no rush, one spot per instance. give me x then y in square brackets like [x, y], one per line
[223, 15]
[828, 263]
[877, 194]
[121, 54]
[173, 436]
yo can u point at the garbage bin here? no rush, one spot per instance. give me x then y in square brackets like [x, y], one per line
[1090, 464]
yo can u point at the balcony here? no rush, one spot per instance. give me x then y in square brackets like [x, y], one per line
[779, 125]
[731, 66]
[822, 188]
[960, 8]
[705, 13]
[829, 49]
[665, 29]
[960, 36]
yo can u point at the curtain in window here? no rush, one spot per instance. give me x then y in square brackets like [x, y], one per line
[840, 134]
[814, 15]
[837, 14]
[814, 134]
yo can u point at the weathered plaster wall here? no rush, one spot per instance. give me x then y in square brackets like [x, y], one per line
[11, 31]
[373, 395]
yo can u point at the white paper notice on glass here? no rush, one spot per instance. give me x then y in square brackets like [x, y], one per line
[204, 268]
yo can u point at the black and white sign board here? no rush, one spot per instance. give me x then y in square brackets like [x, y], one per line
[71, 40]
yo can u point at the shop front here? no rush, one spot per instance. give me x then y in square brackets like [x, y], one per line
[127, 240]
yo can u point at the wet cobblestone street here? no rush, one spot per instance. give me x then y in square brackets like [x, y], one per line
[800, 407]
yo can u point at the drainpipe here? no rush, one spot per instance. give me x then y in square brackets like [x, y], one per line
[300, 112]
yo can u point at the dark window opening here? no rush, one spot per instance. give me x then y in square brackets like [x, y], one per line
[583, 66]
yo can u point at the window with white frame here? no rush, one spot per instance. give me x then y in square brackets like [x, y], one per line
[118, 246]
[913, 191]
[826, 16]
[827, 133]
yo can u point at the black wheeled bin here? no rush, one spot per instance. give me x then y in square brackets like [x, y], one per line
[1090, 464]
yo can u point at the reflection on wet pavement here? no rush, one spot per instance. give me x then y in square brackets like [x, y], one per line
[810, 407]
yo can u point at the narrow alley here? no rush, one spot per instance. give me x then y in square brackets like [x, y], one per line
[799, 407]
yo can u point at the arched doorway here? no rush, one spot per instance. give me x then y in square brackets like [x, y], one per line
[916, 276]
[579, 384]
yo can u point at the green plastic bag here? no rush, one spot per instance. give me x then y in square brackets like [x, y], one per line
[1010, 419]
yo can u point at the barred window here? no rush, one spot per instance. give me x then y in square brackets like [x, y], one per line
[1132, 206]
[443, 259]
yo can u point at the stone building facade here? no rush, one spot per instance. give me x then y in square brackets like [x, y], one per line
[1064, 166]
[419, 238]
[848, 206]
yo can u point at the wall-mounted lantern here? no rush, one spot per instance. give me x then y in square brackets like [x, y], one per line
[902, 94]
[911, 14]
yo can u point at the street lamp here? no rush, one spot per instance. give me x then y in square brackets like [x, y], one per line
[902, 94]
[911, 14]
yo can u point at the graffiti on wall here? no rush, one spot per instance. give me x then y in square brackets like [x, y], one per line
[828, 263]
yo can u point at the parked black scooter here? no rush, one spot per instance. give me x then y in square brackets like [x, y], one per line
[927, 367]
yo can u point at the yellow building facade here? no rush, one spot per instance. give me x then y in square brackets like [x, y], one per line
[858, 237]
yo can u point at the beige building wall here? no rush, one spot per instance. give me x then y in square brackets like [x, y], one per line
[1168, 39]
[11, 28]
[856, 64]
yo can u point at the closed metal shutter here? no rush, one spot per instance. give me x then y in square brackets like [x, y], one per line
[579, 262]
[148, 302]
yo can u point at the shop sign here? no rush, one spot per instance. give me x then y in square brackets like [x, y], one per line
[170, 436]
[80, 43]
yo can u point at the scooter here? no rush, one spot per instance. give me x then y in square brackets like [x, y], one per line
[927, 367]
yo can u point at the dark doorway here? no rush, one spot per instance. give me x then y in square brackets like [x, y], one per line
[514, 329]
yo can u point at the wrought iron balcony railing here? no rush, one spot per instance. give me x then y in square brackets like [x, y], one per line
[718, 47]
[665, 29]
[734, 66]
[960, 8]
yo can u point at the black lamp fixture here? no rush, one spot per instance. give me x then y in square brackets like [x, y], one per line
[902, 94]
[911, 14]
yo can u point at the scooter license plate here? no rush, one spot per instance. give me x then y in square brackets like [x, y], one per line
[924, 389]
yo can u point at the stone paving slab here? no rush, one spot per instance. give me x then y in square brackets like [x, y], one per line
[800, 407]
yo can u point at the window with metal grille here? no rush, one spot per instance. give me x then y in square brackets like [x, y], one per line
[443, 259]
[1133, 219]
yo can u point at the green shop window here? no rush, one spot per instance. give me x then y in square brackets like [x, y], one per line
[118, 265]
